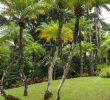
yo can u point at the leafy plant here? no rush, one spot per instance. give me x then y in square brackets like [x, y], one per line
[105, 72]
[50, 31]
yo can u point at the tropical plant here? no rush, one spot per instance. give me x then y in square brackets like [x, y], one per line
[22, 9]
[4, 57]
[97, 6]
[104, 49]
[77, 7]
[60, 6]
[50, 32]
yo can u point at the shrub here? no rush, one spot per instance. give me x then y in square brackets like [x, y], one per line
[10, 97]
[85, 75]
[99, 67]
[37, 79]
[105, 72]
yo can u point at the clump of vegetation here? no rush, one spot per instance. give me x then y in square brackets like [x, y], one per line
[10, 97]
[105, 72]
[42, 40]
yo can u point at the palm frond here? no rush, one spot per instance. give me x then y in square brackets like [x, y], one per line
[50, 32]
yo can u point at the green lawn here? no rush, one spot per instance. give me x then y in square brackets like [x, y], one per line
[86, 88]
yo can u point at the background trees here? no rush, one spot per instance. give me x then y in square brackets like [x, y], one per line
[62, 40]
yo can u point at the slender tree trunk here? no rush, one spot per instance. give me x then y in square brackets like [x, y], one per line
[21, 59]
[1, 84]
[78, 14]
[81, 59]
[108, 56]
[2, 80]
[97, 33]
[48, 92]
[33, 66]
[66, 70]
[91, 65]
[76, 29]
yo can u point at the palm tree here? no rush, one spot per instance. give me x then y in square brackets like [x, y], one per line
[84, 28]
[104, 49]
[34, 49]
[5, 57]
[50, 32]
[60, 5]
[76, 6]
[98, 5]
[21, 9]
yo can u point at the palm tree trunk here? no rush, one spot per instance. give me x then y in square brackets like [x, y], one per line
[2, 80]
[48, 92]
[91, 65]
[97, 45]
[81, 59]
[78, 13]
[76, 29]
[108, 56]
[21, 59]
[33, 66]
[1, 84]
[65, 73]
[97, 33]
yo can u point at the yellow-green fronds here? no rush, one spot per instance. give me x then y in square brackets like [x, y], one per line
[67, 35]
[50, 31]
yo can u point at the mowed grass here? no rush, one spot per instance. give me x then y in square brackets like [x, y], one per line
[85, 88]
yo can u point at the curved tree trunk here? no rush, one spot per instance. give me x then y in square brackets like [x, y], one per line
[66, 70]
[78, 14]
[1, 84]
[21, 59]
[48, 92]
[2, 80]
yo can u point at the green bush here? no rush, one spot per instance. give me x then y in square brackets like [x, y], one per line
[105, 72]
[85, 75]
[99, 67]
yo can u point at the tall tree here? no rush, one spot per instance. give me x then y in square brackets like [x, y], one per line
[97, 6]
[77, 7]
[21, 9]
[50, 32]
[60, 7]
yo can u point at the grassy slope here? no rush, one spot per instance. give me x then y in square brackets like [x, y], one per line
[87, 88]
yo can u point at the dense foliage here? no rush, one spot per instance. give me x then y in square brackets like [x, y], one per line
[43, 40]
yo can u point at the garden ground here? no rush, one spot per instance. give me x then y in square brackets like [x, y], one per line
[85, 88]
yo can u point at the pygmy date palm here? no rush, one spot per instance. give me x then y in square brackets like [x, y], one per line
[22, 9]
